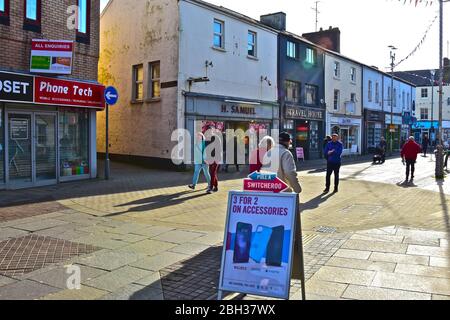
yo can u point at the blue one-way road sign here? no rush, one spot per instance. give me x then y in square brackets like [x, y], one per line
[111, 96]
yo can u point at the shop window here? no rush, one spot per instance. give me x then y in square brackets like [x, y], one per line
[311, 94]
[219, 32]
[84, 19]
[32, 15]
[292, 50]
[310, 56]
[251, 44]
[336, 102]
[423, 114]
[155, 80]
[370, 91]
[74, 142]
[4, 12]
[292, 91]
[2, 147]
[138, 83]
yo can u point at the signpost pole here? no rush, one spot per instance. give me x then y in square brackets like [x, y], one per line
[298, 234]
[107, 169]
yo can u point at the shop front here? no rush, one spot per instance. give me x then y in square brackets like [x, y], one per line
[205, 112]
[446, 132]
[421, 129]
[374, 124]
[47, 130]
[349, 130]
[306, 125]
[393, 129]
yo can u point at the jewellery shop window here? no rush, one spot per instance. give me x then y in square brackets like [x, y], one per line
[74, 142]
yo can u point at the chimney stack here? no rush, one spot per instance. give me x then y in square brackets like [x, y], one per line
[275, 20]
[330, 39]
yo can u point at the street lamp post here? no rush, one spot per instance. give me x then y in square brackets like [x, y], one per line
[440, 149]
[392, 97]
[432, 135]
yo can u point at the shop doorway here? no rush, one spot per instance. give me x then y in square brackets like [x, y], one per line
[32, 149]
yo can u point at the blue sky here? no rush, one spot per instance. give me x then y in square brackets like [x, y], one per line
[367, 27]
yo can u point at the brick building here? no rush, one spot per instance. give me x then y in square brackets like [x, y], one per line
[49, 93]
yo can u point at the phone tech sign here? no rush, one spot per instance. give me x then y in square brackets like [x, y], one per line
[257, 256]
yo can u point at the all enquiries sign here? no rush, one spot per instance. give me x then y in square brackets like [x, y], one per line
[51, 56]
[258, 244]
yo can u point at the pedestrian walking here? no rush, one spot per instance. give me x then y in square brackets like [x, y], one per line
[199, 162]
[258, 154]
[325, 142]
[425, 144]
[333, 150]
[382, 146]
[409, 157]
[280, 160]
[214, 165]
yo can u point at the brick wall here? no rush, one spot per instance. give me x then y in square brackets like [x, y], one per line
[15, 42]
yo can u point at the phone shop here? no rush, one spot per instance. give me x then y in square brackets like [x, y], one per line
[47, 130]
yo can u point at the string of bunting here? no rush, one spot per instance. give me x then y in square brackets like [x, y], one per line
[436, 81]
[418, 1]
[420, 43]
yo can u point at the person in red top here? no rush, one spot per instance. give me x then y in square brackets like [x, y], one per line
[409, 155]
[257, 155]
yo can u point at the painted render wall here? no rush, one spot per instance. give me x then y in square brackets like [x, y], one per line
[139, 32]
[233, 74]
[344, 84]
[375, 77]
[425, 103]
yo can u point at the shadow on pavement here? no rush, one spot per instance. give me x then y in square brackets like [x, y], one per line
[315, 202]
[157, 202]
[196, 278]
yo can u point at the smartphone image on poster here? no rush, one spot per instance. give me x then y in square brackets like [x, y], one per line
[259, 243]
[242, 243]
[275, 247]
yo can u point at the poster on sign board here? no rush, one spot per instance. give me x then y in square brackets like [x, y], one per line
[258, 244]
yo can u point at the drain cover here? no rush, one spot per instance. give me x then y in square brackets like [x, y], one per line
[324, 229]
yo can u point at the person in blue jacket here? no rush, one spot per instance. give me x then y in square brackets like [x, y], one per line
[333, 151]
[200, 162]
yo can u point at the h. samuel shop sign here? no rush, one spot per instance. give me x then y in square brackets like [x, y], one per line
[50, 91]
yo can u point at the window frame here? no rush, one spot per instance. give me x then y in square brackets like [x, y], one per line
[313, 55]
[254, 44]
[135, 83]
[422, 113]
[353, 95]
[85, 37]
[377, 92]
[422, 91]
[152, 80]
[353, 74]
[30, 24]
[298, 91]
[314, 102]
[222, 34]
[369, 91]
[337, 69]
[4, 15]
[337, 102]
[296, 55]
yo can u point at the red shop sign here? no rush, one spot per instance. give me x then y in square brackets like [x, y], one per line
[43, 45]
[68, 93]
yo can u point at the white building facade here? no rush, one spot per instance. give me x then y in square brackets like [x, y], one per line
[343, 81]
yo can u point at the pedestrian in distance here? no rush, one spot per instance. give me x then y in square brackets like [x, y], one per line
[381, 150]
[258, 154]
[200, 163]
[409, 157]
[279, 159]
[213, 163]
[325, 142]
[425, 144]
[333, 150]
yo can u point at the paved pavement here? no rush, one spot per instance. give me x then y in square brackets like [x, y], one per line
[144, 235]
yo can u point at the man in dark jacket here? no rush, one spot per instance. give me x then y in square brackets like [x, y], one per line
[409, 155]
[333, 151]
[382, 146]
[425, 143]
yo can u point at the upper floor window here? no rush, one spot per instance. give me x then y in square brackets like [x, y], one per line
[337, 69]
[370, 91]
[251, 44]
[84, 18]
[138, 83]
[448, 101]
[292, 91]
[395, 97]
[408, 100]
[219, 32]
[310, 56]
[32, 11]
[377, 92]
[292, 50]
[389, 96]
[403, 100]
[155, 80]
[353, 97]
[424, 92]
[337, 97]
[4, 12]
[353, 74]
[311, 94]
[423, 114]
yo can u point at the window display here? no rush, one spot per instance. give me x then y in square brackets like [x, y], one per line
[74, 142]
[2, 143]
[373, 135]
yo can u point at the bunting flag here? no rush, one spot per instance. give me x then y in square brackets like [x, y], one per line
[420, 43]
[430, 3]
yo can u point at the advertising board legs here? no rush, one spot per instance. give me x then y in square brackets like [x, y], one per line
[298, 243]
